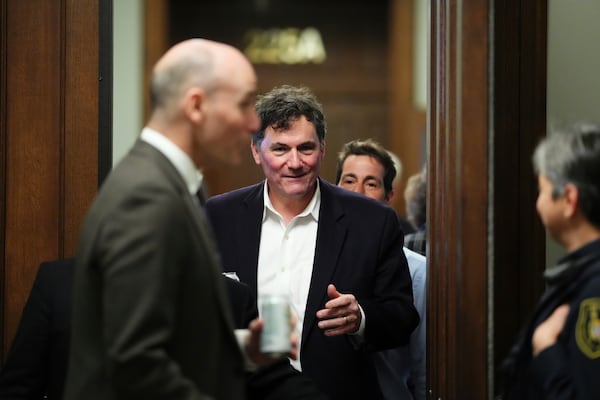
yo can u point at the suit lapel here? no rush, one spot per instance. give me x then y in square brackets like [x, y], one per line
[331, 235]
[248, 229]
[207, 238]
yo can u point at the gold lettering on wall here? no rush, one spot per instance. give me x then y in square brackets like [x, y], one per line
[284, 46]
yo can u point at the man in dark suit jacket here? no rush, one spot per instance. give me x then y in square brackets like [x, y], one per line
[37, 362]
[336, 254]
[146, 261]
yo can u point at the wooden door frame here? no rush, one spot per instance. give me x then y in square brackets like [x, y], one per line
[3, 112]
[105, 89]
[487, 111]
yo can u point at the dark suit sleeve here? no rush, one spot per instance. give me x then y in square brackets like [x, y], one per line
[25, 372]
[390, 314]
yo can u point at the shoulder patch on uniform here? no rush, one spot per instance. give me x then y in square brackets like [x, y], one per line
[587, 330]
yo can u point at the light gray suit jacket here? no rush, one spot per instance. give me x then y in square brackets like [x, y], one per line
[151, 317]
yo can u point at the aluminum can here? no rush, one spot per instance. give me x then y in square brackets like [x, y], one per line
[275, 336]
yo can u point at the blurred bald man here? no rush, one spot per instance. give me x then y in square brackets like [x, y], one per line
[151, 316]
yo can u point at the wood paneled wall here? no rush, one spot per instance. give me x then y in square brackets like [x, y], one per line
[49, 106]
[406, 122]
[457, 209]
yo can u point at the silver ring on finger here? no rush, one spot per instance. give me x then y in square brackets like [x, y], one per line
[345, 320]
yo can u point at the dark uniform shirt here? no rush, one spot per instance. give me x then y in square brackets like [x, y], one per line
[569, 369]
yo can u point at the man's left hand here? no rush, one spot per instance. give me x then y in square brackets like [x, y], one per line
[341, 314]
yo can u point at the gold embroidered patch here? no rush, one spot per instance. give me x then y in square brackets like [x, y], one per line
[587, 330]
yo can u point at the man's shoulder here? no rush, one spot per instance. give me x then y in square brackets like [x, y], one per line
[142, 173]
[63, 265]
[589, 279]
[55, 272]
[234, 195]
[143, 166]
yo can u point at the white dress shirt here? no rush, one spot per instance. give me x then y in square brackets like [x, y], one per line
[286, 256]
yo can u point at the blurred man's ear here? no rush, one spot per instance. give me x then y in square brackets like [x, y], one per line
[255, 154]
[193, 104]
[389, 196]
[571, 196]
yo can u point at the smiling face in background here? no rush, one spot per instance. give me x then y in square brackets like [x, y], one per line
[364, 174]
[291, 161]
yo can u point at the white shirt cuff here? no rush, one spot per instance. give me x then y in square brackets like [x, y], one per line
[240, 336]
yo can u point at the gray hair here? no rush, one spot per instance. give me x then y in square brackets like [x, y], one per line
[572, 155]
[415, 195]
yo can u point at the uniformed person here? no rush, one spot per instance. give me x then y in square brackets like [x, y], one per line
[557, 356]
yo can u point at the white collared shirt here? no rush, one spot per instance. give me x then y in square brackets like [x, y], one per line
[286, 256]
[180, 160]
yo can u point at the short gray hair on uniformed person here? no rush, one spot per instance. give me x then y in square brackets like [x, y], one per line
[572, 155]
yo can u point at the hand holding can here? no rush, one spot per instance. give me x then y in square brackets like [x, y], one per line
[275, 337]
